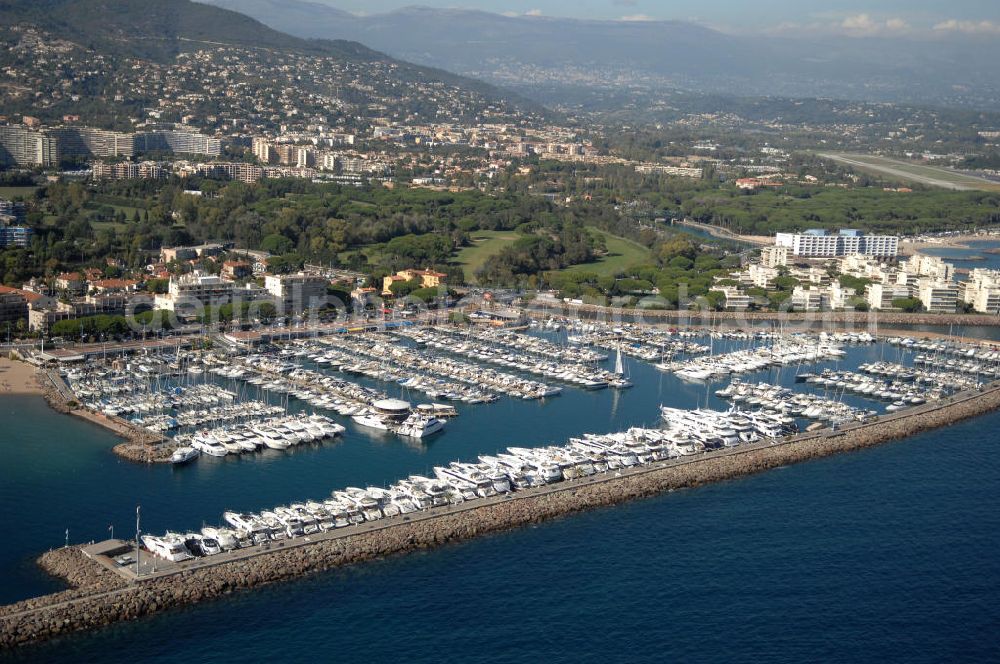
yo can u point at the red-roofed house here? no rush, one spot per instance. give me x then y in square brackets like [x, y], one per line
[71, 281]
[114, 285]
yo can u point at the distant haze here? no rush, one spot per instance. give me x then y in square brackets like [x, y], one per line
[918, 56]
[738, 15]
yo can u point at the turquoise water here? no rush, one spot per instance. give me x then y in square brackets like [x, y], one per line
[973, 257]
[889, 552]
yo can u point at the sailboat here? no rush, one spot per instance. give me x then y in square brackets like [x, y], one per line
[620, 380]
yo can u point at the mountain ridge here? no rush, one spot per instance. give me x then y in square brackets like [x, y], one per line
[158, 30]
[526, 52]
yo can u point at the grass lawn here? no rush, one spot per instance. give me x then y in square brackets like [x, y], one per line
[622, 253]
[118, 227]
[129, 211]
[484, 245]
[17, 192]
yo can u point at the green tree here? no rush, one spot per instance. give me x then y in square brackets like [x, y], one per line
[277, 244]
[908, 304]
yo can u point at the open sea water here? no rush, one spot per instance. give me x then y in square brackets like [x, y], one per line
[888, 553]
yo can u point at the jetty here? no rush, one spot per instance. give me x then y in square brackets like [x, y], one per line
[107, 586]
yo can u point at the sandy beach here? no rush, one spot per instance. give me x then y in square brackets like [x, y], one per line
[17, 378]
[949, 242]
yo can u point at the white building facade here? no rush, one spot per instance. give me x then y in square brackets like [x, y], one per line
[818, 243]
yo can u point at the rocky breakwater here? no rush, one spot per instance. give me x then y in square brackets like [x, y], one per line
[138, 450]
[102, 598]
[45, 617]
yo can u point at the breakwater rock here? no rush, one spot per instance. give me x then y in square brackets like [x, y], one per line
[102, 597]
[53, 395]
[140, 451]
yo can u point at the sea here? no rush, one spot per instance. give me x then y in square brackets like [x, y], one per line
[976, 254]
[884, 554]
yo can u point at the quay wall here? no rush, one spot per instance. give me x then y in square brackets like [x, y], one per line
[101, 597]
[857, 319]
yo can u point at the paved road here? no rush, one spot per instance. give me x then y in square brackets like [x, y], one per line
[905, 174]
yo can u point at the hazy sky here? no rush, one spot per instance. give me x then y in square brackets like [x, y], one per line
[860, 18]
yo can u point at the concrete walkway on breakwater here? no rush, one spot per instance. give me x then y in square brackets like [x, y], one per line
[102, 598]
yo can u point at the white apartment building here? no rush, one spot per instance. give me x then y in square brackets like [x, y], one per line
[938, 296]
[815, 275]
[809, 299]
[736, 300]
[866, 267]
[840, 296]
[881, 295]
[982, 291]
[294, 293]
[919, 265]
[774, 256]
[818, 243]
[762, 276]
[189, 293]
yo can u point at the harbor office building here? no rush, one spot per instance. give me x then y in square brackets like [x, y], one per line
[818, 243]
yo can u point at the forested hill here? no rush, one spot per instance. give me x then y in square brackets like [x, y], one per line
[158, 30]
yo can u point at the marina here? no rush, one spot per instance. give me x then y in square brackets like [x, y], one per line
[688, 433]
[98, 599]
[646, 343]
[528, 357]
[197, 397]
[507, 465]
[783, 352]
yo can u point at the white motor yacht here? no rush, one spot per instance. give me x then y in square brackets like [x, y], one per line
[420, 426]
[226, 538]
[371, 420]
[272, 439]
[167, 547]
[184, 454]
[210, 447]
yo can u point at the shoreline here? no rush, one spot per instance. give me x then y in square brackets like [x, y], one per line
[17, 377]
[138, 445]
[855, 319]
[101, 597]
[948, 242]
[725, 234]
